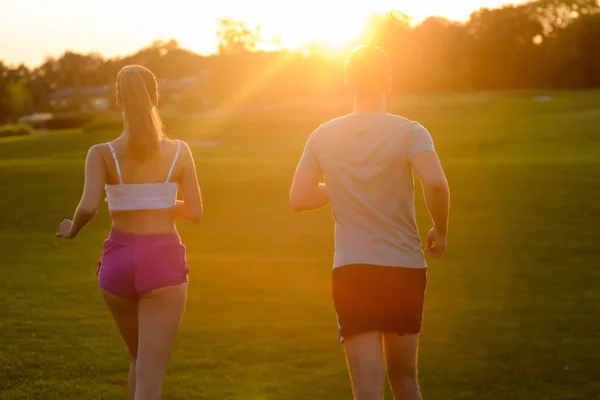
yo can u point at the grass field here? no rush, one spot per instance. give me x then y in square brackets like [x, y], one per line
[511, 311]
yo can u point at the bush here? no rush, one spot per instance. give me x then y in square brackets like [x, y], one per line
[69, 120]
[172, 125]
[104, 124]
[15, 130]
[36, 125]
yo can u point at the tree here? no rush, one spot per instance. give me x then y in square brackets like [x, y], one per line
[575, 53]
[237, 37]
[503, 45]
[387, 31]
[18, 98]
[165, 58]
[541, 43]
[439, 56]
[4, 106]
[557, 14]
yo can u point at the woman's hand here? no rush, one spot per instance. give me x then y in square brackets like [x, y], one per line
[65, 231]
[95, 179]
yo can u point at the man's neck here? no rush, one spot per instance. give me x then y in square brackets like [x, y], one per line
[370, 104]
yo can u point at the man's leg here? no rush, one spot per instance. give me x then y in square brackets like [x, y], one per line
[364, 354]
[401, 360]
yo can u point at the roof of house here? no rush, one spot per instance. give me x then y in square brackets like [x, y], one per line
[35, 117]
[164, 85]
[176, 85]
[85, 91]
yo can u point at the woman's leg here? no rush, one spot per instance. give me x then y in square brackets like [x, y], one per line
[159, 317]
[125, 313]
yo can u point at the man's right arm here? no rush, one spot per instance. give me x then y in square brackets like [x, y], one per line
[435, 187]
[428, 168]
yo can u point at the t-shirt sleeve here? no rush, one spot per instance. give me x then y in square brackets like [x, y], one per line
[419, 139]
[309, 159]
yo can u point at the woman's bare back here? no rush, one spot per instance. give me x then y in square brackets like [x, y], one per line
[154, 170]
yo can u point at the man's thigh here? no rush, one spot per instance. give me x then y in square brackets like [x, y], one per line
[364, 355]
[401, 355]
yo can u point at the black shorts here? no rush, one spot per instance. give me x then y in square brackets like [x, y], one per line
[372, 298]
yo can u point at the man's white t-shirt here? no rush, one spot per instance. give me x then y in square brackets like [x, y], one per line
[366, 158]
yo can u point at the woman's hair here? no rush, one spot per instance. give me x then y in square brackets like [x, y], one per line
[137, 94]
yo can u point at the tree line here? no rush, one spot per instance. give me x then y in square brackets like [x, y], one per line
[550, 44]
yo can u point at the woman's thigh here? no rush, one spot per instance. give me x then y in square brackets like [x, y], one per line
[125, 314]
[159, 317]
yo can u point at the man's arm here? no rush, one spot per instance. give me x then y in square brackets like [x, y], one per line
[428, 168]
[435, 188]
[307, 193]
[437, 198]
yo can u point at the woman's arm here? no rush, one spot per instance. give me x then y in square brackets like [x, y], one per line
[190, 208]
[95, 179]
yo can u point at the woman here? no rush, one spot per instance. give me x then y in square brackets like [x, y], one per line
[143, 270]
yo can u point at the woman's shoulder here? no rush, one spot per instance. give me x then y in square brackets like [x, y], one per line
[176, 144]
[116, 145]
[99, 149]
[98, 154]
[177, 150]
[172, 143]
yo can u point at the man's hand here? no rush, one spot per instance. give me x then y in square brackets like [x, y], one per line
[436, 243]
[64, 231]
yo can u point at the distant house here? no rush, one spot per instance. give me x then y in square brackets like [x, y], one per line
[85, 98]
[37, 120]
[185, 92]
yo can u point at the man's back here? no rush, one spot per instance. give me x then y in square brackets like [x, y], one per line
[378, 285]
[365, 158]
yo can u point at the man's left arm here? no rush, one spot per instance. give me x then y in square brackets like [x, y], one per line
[307, 193]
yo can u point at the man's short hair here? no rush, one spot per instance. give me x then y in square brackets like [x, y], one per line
[368, 71]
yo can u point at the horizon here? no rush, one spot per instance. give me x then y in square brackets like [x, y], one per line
[114, 29]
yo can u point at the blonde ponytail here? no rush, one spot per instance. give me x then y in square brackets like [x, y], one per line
[137, 94]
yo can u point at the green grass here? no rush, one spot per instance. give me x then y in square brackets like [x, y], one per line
[511, 311]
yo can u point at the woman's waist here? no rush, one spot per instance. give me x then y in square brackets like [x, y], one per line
[137, 237]
[145, 222]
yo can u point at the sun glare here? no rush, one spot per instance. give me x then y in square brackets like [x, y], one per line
[333, 24]
[338, 23]
[330, 26]
[335, 34]
[336, 37]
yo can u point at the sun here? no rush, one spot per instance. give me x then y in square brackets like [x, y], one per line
[336, 36]
[338, 24]
[328, 25]
[334, 26]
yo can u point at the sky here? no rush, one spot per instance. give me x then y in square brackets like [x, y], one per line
[31, 30]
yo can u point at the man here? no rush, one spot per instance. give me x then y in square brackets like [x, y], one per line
[367, 159]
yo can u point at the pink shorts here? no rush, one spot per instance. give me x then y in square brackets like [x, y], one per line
[135, 264]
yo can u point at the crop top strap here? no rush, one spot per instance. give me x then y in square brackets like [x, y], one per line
[114, 155]
[174, 161]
